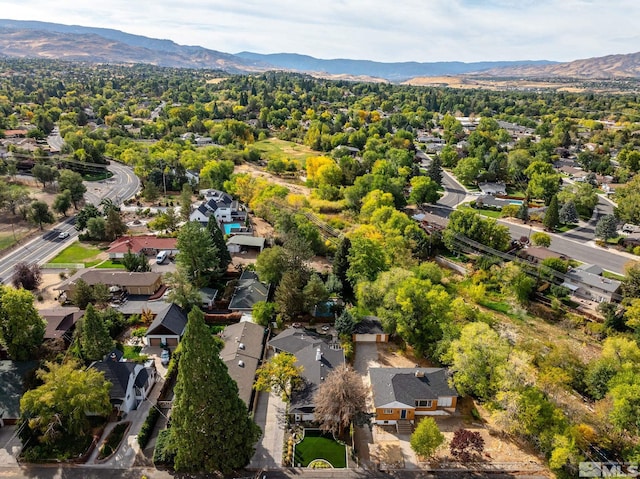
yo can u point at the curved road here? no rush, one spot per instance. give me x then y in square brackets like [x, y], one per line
[123, 185]
[578, 243]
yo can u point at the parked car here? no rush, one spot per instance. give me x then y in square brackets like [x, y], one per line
[165, 356]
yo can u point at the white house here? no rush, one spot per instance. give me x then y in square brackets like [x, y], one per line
[131, 382]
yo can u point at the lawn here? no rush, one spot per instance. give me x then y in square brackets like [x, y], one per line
[77, 253]
[316, 445]
[110, 265]
[565, 228]
[487, 213]
[132, 353]
[276, 148]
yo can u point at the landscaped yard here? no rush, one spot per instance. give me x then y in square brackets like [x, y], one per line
[275, 148]
[78, 253]
[317, 445]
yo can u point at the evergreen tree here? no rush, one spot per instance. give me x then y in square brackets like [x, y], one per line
[434, 171]
[185, 201]
[211, 427]
[606, 227]
[345, 323]
[21, 327]
[568, 213]
[523, 211]
[289, 298]
[341, 266]
[197, 256]
[314, 292]
[94, 335]
[218, 240]
[552, 215]
[136, 262]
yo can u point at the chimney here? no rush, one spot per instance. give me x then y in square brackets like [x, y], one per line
[318, 355]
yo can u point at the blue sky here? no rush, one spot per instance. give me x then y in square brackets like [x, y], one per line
[382, 30]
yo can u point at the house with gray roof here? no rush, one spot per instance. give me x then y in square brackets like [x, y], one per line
[131, 382]
[585, 282]
[248, 292]
[167, 326]
[12, 387]
[369, 330]
[243, 349]
[317, 358]
[402, 394]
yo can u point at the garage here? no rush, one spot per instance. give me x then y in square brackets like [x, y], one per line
[369, 330]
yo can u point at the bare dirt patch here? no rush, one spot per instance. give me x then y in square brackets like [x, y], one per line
[46, 291]
[293, 186]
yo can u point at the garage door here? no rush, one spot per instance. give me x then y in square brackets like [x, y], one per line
[154, 341]
[172, 341]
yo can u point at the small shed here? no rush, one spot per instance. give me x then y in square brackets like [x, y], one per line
[237, 243]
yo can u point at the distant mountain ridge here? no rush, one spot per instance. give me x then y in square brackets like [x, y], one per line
[35, 39]
[390, 71]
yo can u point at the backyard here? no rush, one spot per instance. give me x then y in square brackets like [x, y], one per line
[317, 445]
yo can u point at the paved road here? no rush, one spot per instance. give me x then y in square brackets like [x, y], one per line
[454, 192]
[121, 186]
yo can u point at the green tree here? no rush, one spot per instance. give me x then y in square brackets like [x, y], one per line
[97, 228]
[94, 335]
[62, 202]
[468, 170]
[185, 202]
[434, 170]
[552, 215]
[523, 211]
[87, 212]
[631, 282]
[72, 181]
[211, 427]
[224, 257]
[367, 258]
[522, 287]
[423, 190]
[541, 239]
[341, 266]
[345, 324]
[150, 192]
[82, 294]
[271, 264]
[56, 411]
[289, 297]
[427, 438]
[568, 213]
[44, 173]
[197, 255]
[39, 213]
[628, 201]
[136, 262]
[339, 399]
[606, 227]
[477, 359]
[182, 291]
[263, 312]
[114, 225]
[314, 292]
[21, 327]
[280, 375]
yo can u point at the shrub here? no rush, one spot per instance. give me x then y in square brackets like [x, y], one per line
[139, 332]
[113, 440]
[636, 250]
[164, 453]
[147, 427]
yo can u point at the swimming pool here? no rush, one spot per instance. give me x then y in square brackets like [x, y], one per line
[516, 202]
[231, 226]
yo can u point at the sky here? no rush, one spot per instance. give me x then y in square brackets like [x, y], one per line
[380, 30]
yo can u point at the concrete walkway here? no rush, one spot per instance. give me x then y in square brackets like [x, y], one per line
[270, 416]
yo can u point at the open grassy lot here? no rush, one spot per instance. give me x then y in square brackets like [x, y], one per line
[275, 148]
[315, 445]
[78, 253]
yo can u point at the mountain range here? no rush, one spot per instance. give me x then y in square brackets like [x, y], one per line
[31, 39]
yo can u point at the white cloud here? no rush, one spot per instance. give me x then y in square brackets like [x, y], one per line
[404, 30]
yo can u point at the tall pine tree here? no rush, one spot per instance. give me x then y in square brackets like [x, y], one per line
[94, 335]
[211, 427]
[434, 171]
[552, 215]
[218, 240]
[341, 265]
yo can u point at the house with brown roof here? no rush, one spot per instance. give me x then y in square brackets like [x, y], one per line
[133, 283]
[61, 322]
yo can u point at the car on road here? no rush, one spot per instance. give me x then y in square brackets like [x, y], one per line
[63, 235]
[325, 328]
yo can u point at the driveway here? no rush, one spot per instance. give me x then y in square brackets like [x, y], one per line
[366, 356]
[270, 416]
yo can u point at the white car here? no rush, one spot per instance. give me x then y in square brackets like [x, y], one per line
[63, 235]
[164, 357]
